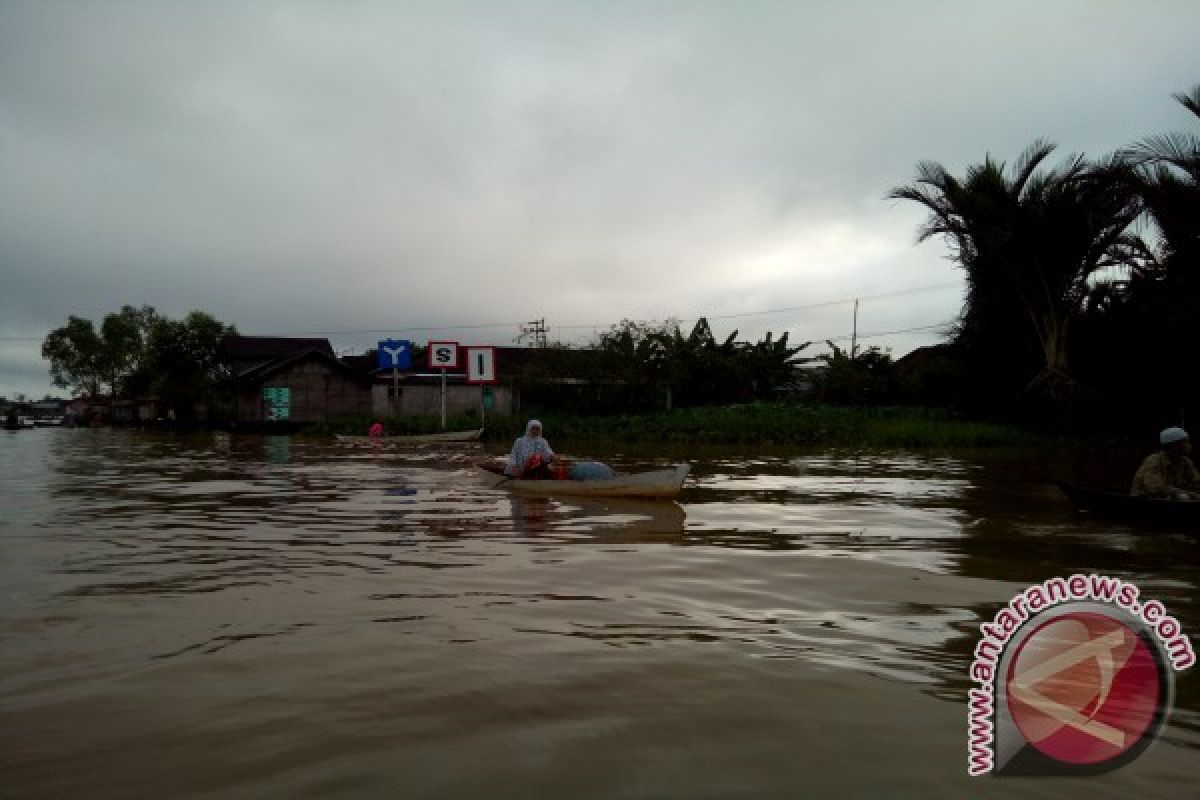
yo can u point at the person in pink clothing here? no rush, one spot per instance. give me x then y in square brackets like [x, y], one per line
[376, 429]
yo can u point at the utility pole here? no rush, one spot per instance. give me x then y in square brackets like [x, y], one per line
[854, 333]
[535, 331]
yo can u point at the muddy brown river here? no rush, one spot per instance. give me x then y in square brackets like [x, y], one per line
[237, 616]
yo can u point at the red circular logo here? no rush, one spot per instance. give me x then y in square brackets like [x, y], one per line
[1084, 688]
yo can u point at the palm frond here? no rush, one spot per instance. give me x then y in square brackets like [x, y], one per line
[1180, 150]
[1028, 161]
[1190, 100]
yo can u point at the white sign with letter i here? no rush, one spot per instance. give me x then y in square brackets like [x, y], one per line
[481, 365]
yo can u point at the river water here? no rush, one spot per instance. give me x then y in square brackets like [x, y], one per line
[219, 616]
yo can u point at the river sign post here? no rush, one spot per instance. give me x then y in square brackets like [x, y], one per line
[397, 354]
[443, 356]
[481, 369]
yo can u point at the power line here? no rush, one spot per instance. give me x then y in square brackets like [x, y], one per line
[600, 325]
[593, 326]
[845, 302]
[915, 329]
[806, 307]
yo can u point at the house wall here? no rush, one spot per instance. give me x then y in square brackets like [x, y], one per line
[317, 391]
[425, 399]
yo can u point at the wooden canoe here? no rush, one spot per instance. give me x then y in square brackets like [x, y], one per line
[658, 483]
[1125, 507]
[423, 438]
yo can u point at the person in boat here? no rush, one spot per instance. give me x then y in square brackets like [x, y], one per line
[1169, 473]
[531, 456]
[376, 429]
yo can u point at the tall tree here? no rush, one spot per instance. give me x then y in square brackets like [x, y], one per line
[185, 361]
[75, 355]
[124, 337]
[1029, 240]
[1168, 177]
[94, 362]
[138, 352]
[1151, 318]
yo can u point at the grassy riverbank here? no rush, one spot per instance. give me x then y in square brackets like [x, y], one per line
[756, 424]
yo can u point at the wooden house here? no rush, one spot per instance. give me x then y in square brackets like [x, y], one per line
[289, 381]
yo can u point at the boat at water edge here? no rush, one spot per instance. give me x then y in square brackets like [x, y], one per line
[1110, 504]
[422, 438]
[653, 484]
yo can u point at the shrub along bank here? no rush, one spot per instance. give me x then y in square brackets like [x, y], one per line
[757, 424]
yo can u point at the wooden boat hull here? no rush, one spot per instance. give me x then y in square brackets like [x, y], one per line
[425, 438]
[1125, 507]
[659, 483]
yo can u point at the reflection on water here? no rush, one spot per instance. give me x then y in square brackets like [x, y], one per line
[288, 616]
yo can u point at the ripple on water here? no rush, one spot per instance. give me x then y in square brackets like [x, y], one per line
[291, 588]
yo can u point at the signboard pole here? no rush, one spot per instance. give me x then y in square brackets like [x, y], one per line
[481, 369]
[396, 353]
[443, 356]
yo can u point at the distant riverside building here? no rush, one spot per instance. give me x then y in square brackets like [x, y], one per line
[301, 380]
[285, 380]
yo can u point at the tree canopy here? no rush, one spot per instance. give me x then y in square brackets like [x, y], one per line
[1067, 300]
[99, 362]
[699, 369]
[138, 352]
[1029, 240]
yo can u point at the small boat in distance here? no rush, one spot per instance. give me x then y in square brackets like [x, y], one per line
[657, 483]
[1180, 514]
[421, 438]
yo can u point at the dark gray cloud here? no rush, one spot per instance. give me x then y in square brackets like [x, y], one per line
[354, 166]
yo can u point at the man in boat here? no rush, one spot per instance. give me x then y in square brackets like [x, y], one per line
[1169, 473]
[531, 456]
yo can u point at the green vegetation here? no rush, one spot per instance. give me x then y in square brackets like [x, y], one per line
[1072, 316]
[750, 424]
[137, 352]
[637, 366]
[771, 423]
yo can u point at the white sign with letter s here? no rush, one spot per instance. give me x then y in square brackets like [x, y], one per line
[443, 355]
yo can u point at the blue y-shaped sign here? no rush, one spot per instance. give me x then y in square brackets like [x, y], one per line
[395, 354]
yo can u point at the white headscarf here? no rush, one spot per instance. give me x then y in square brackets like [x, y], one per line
[1171, 436]
[533, 423]
[526, 446]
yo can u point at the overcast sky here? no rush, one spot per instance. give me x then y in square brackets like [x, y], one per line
[410, 169]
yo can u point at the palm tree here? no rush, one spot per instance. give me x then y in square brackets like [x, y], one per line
[1167, 170]
[1029, 240]
[1162, 300]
